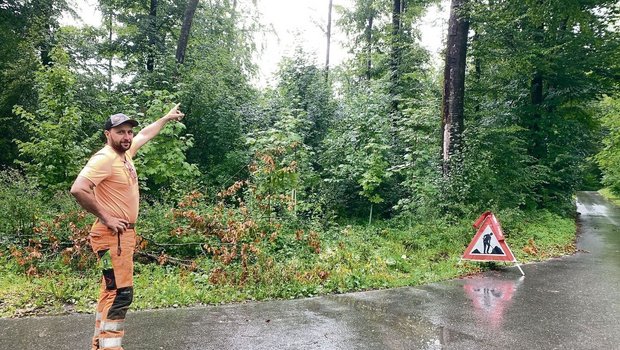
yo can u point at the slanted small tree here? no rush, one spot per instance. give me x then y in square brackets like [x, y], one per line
[281, 172]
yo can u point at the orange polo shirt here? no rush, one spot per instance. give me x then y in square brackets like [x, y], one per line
[116, 184]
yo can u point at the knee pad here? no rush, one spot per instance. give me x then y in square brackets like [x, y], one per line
[120, 305]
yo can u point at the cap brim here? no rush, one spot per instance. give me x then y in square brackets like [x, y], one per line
[132, 122]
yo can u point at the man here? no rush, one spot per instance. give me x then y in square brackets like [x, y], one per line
[108, 188]
[486, 241]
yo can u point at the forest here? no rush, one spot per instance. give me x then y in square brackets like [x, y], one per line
[365, 174]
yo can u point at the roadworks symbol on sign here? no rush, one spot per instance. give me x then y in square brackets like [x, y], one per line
[488, 244]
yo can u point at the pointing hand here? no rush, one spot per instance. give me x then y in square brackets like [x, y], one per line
[175, 113]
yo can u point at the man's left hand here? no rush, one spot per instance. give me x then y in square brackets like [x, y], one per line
[175, 113]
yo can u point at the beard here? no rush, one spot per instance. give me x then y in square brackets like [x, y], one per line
[119, 147]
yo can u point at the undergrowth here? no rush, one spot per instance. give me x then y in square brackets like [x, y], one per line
[352, 258]
[242, 243]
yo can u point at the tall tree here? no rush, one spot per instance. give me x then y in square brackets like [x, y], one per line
[216, 88]
[328, 35]
[17, 67]
[188, 17]
[363, 24]
[57, 146]
[454, 83]
[397, 44]
[397, 11]
[146, 38]
[369, 45]
[152, 35]
[28, 32]
[302, 88]
[539, 67]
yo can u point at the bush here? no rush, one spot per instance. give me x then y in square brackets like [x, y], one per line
[38, 230]
[21, 203]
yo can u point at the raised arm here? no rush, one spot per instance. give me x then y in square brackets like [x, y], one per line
[154, 128]
[83, 191]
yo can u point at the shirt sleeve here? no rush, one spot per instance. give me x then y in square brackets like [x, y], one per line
[98, 168]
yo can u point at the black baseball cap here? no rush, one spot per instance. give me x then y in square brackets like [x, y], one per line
[118, 119]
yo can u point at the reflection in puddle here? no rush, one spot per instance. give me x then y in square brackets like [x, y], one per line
[491, 298]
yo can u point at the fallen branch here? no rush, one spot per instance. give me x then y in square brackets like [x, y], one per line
[163, 259]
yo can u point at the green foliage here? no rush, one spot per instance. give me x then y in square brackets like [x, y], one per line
[536, 69]
[321, 153]
[285, 265]
[609, 195]
[57, 147]
[377, 52]
[366, 25]
[355, 152]
[18, 63]
[24, 203]
[162, 161]
[27, 32]
[143, 33]
[216, 93]
[282, 166]
[282, 178]
[302, 87]
[38, 230]
[375, 171]
[417, 164]
[55, 293]
[94, 75]
[496, 171]
[537, 236]
[609, 157]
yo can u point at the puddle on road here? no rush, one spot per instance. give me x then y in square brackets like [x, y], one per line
[400, 319]
[592, 209]
[491, 298]
[594, 205]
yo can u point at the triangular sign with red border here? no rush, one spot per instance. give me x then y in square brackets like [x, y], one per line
[488, 244]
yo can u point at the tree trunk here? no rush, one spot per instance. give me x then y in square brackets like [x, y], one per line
[536, 97]
[45, 50]
[537, 148]
[188, 17]
[395, 56]
[477, 67]
[369, 44]
[329, 39]
[152, 33]
[454, 83]
[46, 39]
[396, 42]
[111, 55]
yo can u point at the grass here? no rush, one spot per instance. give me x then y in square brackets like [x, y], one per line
[351, 258]
[606, 192]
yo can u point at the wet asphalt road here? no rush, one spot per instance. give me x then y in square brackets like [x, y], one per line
[565, 303]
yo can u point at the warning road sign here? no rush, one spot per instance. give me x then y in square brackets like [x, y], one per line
[488, 244]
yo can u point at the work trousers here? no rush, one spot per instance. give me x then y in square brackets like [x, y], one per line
[116, 292]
